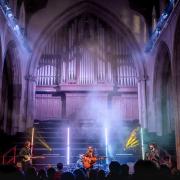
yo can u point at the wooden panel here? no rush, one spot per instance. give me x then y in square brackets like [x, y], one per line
[86, 106]
[83, 106]
[127, 106]
[47, 107]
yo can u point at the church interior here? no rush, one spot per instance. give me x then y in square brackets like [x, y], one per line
[76, 74]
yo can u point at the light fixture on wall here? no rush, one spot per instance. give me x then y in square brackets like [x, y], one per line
[13, 24]
[160, 25]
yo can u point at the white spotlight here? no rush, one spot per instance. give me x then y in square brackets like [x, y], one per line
[16, 28]
[142, 143]
[106, 143]
[68, 147]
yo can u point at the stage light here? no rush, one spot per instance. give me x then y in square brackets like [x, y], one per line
[142, 143]
[68, 146]
[16, 28]
[165, 15]
[32, 141]
[35, 135]
[13, 24]
[10, 15]
[160, 25]
[106, 143]
[44, 143]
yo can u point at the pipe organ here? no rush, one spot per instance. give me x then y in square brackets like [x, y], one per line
[86, 51]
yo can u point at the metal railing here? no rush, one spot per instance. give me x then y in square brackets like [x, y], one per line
[11, 154]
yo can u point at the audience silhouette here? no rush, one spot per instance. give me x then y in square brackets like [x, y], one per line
[143, 169]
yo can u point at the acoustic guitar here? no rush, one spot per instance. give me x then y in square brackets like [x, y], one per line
[88, 162]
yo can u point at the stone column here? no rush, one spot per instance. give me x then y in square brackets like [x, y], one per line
[29, 100]
[142, 101]
[16, 116]
[63, 99]
[176, 95]
[177, 134]
[1, 108]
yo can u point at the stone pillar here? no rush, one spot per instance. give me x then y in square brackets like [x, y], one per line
[29, 100]
[1, 108]
[177, 134]
[176, 96]
[63, 99]
[16, 116]
[142, 101]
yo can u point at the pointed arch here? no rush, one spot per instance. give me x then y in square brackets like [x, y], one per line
[162, 92]
[76, 10]
[176, 75]
[0, 57]
[22, 16]
[177, 49]
[0, 69]
[11, 90]
[58, 23]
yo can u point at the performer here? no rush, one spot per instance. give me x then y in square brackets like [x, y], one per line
[153, 154]
[25, 155]
[167, 161]
[89, 158]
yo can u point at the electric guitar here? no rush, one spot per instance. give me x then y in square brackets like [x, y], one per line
[27, 158]
[88, 162]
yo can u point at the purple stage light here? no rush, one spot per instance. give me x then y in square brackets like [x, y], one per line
[68, 146]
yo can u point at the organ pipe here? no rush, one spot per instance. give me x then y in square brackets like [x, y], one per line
[72, 55]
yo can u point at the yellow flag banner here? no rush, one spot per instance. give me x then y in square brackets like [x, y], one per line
[132, 140]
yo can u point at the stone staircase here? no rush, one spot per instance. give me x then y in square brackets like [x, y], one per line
[51, 141]
[55, 134]
[81, 135]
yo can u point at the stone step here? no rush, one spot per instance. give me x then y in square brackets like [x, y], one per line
[82, 135]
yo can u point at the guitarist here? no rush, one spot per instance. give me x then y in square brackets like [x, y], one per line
[25, 155]
[153, 154]
[89, 158]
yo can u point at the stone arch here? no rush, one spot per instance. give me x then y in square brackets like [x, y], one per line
[22, 17]
[176, 75]
[11, 90]
[162, 93]
[62, 19]
[177, 52]
[0, 68]
[76, 10]
[0, 57]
